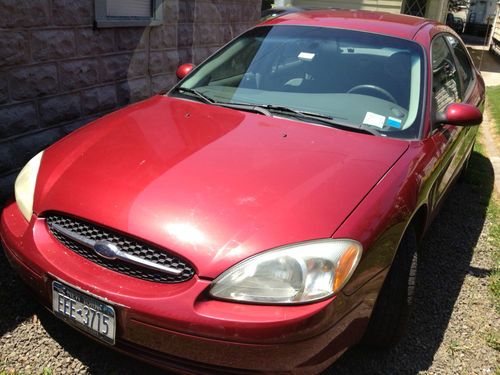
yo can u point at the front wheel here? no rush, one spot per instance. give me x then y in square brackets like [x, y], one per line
[390, 314]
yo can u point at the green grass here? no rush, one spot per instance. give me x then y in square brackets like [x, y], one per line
[493, 98]
[453, 347]
[480, 175]
[45, 371]
[494, 238]
[493, 214]
[493, 340]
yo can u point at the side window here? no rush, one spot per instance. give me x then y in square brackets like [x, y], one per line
[445, 80]
[464, 65]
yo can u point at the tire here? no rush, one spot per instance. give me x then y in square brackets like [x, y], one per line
[390, 314]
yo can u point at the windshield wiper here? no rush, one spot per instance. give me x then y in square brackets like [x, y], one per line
[245, 107]
[268, 109]
[234, 105]
[196, 93]
[324, 119]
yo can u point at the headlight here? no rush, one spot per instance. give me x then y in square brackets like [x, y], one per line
[291, 274]
[25, 186]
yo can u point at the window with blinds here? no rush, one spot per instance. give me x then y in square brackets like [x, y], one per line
[129, 8]
[128, 13]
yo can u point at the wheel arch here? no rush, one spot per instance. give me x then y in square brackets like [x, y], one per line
[419, 222]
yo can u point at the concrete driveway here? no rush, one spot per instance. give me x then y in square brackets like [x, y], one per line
[485, 61]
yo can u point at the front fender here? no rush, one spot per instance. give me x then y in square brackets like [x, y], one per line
[381, 219]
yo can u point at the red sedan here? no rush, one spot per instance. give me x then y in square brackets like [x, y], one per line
[264, 214]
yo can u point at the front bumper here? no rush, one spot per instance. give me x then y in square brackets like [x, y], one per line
[177, 326]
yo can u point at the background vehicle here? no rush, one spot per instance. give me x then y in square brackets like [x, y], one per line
[456, 23]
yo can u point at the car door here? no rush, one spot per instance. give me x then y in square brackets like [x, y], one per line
[466, 73]
[451, 83]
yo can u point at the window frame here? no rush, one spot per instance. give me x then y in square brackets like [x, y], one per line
[461, 93]
[102, 20]
[466, 91]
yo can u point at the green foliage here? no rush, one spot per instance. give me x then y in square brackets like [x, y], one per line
[493, 98]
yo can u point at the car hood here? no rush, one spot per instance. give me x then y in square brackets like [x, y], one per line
[211, 184]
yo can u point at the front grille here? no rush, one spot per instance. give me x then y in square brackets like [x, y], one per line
[126, 244]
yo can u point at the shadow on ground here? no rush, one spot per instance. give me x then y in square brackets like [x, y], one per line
[18, 305]
[474, 40]
[444, 262]
[98, 358]
[484, 60]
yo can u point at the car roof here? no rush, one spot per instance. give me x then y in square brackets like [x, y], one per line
[402, 26]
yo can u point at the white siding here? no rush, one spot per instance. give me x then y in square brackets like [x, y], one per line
[393, 6]
[495, 36]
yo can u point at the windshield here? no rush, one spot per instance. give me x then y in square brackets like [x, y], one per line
[367, 80]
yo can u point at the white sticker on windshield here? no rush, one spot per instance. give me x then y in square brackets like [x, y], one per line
[306, 56]
[374, 120]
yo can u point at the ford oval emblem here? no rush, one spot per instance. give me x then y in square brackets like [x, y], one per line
[106, 249]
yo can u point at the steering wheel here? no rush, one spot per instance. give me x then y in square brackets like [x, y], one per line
[377, 89]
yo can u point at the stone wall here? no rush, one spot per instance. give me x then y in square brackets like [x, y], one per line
[58, 72]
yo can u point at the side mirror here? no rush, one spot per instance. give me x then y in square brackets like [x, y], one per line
[460, 114]
[184, 70]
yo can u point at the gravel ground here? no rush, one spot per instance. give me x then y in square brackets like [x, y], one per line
[447, 334]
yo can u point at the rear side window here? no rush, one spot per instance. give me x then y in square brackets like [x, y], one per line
[464, 66]
[446, 85]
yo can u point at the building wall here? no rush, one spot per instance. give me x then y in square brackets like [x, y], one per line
[393, 6]
[437, 10]
[58, 72]
[434, 9]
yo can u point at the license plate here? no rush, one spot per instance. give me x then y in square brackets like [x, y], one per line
[84, 312]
